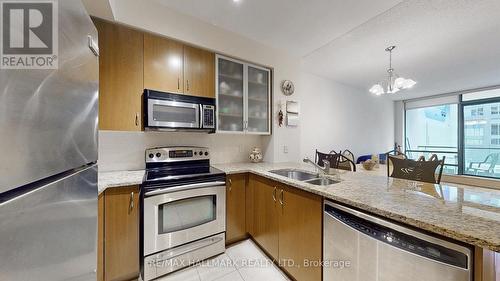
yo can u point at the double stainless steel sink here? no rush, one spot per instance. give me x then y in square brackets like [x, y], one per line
[304, 176]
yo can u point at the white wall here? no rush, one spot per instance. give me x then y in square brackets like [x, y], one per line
[339, 117]
[399, 123]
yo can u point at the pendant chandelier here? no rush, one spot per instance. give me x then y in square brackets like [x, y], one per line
[394, 82]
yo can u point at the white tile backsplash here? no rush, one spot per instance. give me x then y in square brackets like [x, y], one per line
[125, 150]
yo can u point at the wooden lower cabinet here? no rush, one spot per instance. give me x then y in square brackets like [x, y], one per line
[100, 237]
[265, 213]
[249, 206]
[235, 208]
[300, 233]
[287, 224]
[486, 265]
[118, 234]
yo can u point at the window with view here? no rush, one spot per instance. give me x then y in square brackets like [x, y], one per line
[433, 128]
[481, 135]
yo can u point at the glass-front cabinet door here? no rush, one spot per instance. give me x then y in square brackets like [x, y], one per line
[258, 100]
[243, 97]
[230, 98]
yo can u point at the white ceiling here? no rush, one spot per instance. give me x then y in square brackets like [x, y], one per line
[100, 8]
[296, 26]
[444, 45]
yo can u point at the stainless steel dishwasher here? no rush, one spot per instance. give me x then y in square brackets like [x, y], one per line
[361, 247]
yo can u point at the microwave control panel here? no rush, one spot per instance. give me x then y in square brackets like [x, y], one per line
[208, 116]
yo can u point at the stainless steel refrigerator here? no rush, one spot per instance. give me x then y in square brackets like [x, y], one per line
[48, 150]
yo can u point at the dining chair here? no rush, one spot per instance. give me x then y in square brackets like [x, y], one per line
[418, 170]
[348, 154]
[346, 163]
[318, 152]
[333, 157]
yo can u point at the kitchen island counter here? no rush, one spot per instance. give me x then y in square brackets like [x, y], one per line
[464, 213]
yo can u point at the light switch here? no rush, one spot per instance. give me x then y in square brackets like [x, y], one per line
[292, 107]
[292, 113]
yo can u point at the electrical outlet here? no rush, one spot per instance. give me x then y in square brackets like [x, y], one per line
[285, 149]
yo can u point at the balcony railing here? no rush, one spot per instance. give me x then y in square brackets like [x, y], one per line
[451, 153]
[472, 157]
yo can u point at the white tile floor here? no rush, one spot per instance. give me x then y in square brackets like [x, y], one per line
[241, 262]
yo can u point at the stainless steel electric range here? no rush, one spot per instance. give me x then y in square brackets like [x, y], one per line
[183, 210]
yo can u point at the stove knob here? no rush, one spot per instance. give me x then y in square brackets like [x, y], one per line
[195, 153]
[206, 153]
[151, 155]
[201, 153]
[158, 154]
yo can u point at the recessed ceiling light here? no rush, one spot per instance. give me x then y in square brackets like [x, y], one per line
[236, 1]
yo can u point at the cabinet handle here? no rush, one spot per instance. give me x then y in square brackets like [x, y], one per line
[230, 184]
[178, 83]
[131, 201]
[136, 119]
[274, 194]
[282, 198]
[187, 85]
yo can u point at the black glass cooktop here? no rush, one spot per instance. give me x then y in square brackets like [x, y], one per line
[171, 177]
[165, 174]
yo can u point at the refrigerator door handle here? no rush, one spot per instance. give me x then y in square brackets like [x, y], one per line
[93, 46]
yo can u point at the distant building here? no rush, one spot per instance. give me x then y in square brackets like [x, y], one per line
[482, 126]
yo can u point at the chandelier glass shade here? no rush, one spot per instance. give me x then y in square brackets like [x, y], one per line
[394, 83]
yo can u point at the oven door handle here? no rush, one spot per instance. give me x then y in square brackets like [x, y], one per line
[184, 187]
[200, 118]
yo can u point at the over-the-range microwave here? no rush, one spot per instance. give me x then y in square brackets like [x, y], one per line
[176, 112]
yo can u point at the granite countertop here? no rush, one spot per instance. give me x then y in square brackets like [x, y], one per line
[464, 213]
[118, 179]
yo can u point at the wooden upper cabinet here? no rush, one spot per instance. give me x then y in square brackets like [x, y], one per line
[266, 216]
[131, 60]
[235, 208]
[199, 72]
[121, 233]
[300, 232]
[163, 64]
[120, 77]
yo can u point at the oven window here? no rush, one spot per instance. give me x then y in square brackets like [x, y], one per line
[186, 213]
[174, 114]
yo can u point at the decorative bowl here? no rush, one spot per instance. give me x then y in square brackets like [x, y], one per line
[369, 165]
[255, 155]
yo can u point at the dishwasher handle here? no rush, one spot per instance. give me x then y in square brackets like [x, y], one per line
[399, 239]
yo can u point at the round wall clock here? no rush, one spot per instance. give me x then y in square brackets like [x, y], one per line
[287, 87]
